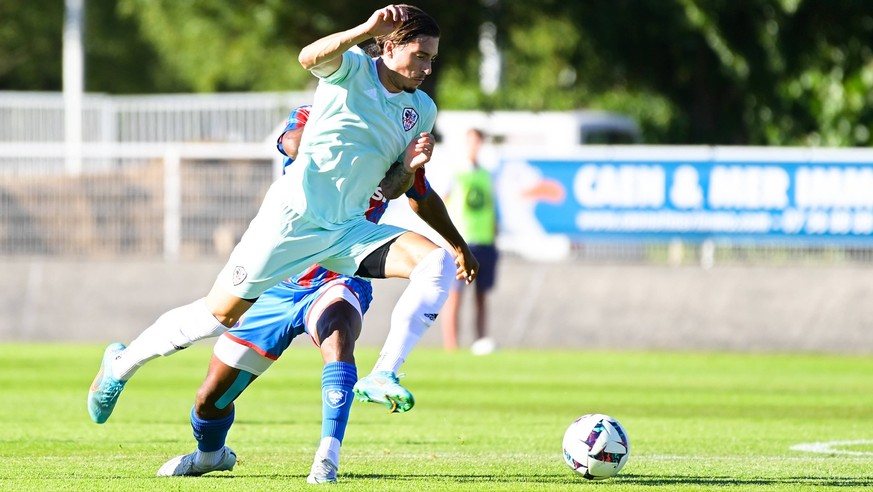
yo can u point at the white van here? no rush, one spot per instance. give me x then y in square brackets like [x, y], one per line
[552, 128]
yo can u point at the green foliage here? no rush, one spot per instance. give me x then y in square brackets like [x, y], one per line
[763, 72]
[118, 59]
[696, 422]
[219, 46]
[30, 45]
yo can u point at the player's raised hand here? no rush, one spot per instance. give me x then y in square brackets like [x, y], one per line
[385, 20]
[418, 152]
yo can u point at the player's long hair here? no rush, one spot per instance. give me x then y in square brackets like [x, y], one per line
[418, 24]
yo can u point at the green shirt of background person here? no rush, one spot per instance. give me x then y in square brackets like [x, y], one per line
[472, 204]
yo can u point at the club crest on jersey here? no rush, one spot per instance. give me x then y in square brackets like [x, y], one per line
[334, 398]
[410, 118]
[239, 274]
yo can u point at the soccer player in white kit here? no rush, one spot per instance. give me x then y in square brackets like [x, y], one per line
[327, 306]
[366, 115]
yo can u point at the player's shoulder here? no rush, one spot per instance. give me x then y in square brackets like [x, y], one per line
[353, 61]
[358, 58]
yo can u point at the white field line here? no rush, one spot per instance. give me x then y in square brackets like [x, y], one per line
[832, 447]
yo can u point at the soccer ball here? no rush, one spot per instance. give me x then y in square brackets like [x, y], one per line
[596, 446]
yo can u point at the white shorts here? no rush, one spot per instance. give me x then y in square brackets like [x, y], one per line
[280, 243]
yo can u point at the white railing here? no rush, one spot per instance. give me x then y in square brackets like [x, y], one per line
[234, 117]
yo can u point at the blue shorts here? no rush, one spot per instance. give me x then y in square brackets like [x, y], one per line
[487, 255]
[279, 315]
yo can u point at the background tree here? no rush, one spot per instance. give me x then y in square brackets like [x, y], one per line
[30, 45]
[762, 72]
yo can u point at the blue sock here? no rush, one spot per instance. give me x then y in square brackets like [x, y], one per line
[210, 434]
[337, 381]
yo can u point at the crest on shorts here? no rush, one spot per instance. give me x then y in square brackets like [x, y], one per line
[335, 398]
[239, 274]
[410, 118]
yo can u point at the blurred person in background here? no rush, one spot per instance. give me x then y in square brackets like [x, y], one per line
[473, 209]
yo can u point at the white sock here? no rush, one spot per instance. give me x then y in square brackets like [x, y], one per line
[209, 458]
[173, 331]
[417, 308]
[330, 448]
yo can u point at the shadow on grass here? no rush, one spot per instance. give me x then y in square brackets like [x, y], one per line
[628, 479]
[659, 481]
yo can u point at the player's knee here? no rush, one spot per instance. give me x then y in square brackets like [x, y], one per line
[338, 330]
[438, 267]
[340, 345]
[205, 404]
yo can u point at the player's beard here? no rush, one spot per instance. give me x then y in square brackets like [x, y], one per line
[405, 84]
[413, 87]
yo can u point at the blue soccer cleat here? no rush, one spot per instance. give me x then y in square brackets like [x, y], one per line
[104, 391]
[383, 387]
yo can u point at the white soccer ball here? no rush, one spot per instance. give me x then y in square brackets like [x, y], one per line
[596, 446]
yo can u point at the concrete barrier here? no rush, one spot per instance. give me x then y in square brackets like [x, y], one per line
[552, 305]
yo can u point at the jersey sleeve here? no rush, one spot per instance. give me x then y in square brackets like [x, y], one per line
[420, 186]
[353, 58]
[296, 119]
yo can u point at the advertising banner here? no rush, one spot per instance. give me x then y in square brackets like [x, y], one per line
[690, 193]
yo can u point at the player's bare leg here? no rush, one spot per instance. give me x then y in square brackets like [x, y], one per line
[450, 319]
[211, 419]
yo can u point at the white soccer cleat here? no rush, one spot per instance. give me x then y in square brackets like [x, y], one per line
[323, 471]
[483, 346]
[187, 466]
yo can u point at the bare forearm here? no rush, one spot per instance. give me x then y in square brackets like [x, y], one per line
[326, 51]
[396, 181]
[432, 211]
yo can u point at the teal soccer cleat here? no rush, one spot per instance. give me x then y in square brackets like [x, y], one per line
[383, 387]
[105, 389]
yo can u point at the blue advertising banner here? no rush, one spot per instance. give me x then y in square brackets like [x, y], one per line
[687, 198]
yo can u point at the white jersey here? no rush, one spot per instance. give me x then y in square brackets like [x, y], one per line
[356, 130]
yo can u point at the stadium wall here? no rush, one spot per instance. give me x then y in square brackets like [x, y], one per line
[569, 304]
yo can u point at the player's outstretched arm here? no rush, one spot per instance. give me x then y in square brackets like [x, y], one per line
[324, 56]
[433, 211]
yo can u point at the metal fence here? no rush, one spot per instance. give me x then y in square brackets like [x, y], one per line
[181, 176]
[232, 117]
[174, 201]
[177, 176]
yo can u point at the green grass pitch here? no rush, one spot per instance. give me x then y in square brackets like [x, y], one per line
[709, 422]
